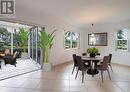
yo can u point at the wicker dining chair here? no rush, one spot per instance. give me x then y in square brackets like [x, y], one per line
[10, 59]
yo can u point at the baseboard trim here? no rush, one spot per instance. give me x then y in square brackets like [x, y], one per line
[63, 63]
[121, 65]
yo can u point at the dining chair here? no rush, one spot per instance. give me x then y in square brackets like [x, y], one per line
[81, 67]
[109, 62]
[104, 66]
[98, 54]
[88, 62]
[84, 54]
[75, 63]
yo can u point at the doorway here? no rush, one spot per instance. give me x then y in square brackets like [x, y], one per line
[10, 38]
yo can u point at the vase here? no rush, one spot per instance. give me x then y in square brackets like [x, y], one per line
[92, 54]
[24, 55]
[47, 67]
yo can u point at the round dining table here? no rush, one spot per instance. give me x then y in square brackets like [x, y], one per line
[93, 62]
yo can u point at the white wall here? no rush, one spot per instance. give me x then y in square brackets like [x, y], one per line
[58, 53]
[118, 56]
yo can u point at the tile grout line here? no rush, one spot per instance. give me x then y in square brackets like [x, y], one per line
[69, 81]
[118, 86]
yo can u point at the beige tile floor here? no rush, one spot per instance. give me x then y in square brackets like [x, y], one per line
[60, 79]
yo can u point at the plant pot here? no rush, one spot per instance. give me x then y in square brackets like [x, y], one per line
[92, 54]
[24, 55]
[47, 67]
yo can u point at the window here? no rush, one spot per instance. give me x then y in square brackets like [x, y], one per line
[71, 40]
[122, 40]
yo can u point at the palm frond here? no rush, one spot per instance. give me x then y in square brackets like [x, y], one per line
[46, 41]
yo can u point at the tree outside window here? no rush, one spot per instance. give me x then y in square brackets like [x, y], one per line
[71, 40]
[122, 40]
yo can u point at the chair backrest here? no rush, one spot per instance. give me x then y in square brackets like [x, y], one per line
[105, 62]
[110, 58]
[75, 60]
[98, 54]
[81, 63]
[84, 54]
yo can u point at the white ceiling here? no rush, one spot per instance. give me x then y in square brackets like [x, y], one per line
[80, 13]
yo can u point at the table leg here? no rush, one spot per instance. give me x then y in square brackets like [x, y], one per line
[0, 64]
[93, 71]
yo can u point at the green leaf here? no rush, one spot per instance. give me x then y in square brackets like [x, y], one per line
[92, 50]
[46, 42]
[23, 37]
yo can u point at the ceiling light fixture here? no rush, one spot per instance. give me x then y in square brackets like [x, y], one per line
[92, 34]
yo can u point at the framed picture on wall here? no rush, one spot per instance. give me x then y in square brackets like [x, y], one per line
[122, 40]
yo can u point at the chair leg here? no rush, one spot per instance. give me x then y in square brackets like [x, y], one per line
[77, 68]
[82, 76]
[92, 70]
[15, 65]
[0, 64]
[111, 67]
[109, 74]
[76, 74]
[102, 76]
[73, 70]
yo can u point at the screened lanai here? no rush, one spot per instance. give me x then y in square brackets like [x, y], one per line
[22, 39]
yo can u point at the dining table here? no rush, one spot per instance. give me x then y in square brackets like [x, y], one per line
[93, 61]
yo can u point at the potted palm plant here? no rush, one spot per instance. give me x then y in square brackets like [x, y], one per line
[23, 38]
[46, 42]
[92, 51]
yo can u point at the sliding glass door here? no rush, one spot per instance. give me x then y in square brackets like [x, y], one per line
[35, 51]
[38, 48]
